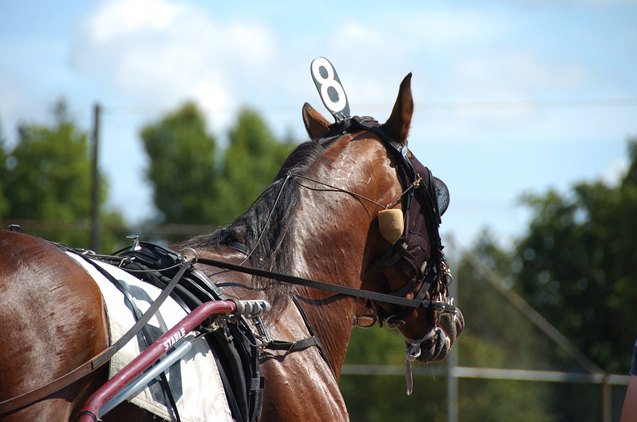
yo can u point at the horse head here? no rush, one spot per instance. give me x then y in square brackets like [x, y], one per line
[403, 256]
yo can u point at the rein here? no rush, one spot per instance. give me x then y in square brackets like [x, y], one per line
[434, 305]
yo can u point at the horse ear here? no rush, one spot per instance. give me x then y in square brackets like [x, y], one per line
[397, 126]
[315, 124]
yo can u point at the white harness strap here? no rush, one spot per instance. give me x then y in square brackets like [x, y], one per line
[194, 380]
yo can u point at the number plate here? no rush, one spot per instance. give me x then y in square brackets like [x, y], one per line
[330, 88]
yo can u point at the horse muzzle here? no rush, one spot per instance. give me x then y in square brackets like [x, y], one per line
[436, 344]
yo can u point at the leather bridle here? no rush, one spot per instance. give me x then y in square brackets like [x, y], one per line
[427, 277]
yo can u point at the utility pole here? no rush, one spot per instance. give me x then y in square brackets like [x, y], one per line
[95, 180]
[452, 365]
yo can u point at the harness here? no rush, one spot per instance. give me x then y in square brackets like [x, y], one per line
[235, 345]
[233, 342]
[425, 198]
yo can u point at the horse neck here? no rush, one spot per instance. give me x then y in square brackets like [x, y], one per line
[334, 240]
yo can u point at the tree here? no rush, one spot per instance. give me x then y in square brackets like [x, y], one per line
[182, 167]
[47, 183]
[250, 163]
[579, 265]
[190, 185]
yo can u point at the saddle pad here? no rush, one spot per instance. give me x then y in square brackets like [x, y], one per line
[194, 380]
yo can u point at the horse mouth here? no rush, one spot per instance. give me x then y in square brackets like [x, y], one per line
[443, 337]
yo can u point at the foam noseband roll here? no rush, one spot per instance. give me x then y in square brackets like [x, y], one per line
[391, 224]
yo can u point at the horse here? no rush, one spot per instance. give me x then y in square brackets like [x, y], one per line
[318, 220]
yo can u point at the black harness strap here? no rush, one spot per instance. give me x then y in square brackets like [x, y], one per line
[434, 305]
[297, 346]
[292, 346]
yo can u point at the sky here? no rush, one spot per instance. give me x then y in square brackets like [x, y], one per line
[511, 97]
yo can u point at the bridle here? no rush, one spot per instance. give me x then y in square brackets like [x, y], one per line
[422, 210]
[425, 280]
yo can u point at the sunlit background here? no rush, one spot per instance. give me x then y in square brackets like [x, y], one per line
[511, 96]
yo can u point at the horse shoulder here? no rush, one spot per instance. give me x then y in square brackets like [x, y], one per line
[299, 385]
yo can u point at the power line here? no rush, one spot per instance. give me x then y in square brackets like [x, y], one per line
[459, 105]
[570, 103]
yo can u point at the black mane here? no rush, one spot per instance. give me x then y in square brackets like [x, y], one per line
[265, 228]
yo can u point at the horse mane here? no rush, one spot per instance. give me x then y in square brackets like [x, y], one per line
[265, 229]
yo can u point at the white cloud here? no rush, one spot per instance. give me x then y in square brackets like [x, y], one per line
[177, 52]
[121, 17]
[614, 172]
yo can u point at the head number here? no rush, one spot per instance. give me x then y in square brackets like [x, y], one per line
[329, 87]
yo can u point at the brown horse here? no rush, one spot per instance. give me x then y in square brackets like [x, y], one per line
[318, 220]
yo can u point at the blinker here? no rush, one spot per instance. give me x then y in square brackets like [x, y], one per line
[442, 195]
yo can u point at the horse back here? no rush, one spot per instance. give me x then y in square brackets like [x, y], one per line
[52, 320]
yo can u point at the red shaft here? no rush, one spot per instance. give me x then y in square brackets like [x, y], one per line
[138, 365]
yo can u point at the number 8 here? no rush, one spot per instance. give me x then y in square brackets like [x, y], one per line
[335, 99]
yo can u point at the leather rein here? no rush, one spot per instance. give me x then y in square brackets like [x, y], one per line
[434, 305]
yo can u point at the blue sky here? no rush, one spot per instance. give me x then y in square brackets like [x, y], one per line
[511, 96]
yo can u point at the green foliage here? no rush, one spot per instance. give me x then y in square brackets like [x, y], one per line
[382, 397]
[46, 181]
[482, 400]
[579, 265]
[189, 186]
[182, 167]
[251, 162]
[47, 164]
[497, 335]
[376, 346]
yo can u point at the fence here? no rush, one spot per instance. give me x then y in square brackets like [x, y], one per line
[509, 364]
